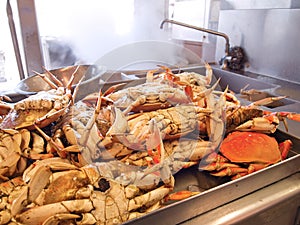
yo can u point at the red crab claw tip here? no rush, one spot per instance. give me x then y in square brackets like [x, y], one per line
[294, 116]
[180, 195]
[289, 115]
[189, 92]
[284, 148]
[154, 141]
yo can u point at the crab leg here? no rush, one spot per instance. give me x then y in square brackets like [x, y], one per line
[84, 138]
[150, 76]
[57, 81]
[282, 117]
[112, 89]
[72, 78]
[37, 215]
[155, 141]
[48, 81]
[230, 171]
[59, 148]
[268, 122]
[205, 93]
[216, 128]
[62, 217]
[148, 198]
[284, 148]
[267, 101]
[169, 75]
[180, 195]
[290, 115]
[209, 73]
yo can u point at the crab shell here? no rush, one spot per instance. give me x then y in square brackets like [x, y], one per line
[148, 97]
[247, 147]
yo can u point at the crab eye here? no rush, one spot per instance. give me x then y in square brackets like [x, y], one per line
[103, 185]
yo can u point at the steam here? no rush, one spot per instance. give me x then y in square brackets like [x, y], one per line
[93, 28]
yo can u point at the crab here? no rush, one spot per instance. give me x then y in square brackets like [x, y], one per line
[9, 192]
[160, 91]
[242, 153]
[184, 153]
[42, 108]
[195, 85]
[17, 147]
[5, 107]
[84, 197]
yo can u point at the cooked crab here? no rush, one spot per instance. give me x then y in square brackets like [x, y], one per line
[242, 153]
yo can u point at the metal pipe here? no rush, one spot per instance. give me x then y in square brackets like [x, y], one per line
[227, 45]
[33, 54]
[15, 39]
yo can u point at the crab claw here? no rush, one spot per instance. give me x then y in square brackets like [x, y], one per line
[120, 124]
[289, 115]
[284, 148]
[161, 164]
[169, 75]
[282, 116]
[150, 75]
[180, 195]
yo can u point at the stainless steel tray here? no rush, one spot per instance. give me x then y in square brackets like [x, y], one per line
[215, 191]
[219, 191]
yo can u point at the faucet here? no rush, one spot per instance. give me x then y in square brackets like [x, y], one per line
[227, 46]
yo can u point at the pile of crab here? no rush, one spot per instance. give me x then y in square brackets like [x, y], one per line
[111, 156]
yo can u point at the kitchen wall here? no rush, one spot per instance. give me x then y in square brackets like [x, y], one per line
[269, 33]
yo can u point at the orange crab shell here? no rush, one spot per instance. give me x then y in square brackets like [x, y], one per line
[246, 147]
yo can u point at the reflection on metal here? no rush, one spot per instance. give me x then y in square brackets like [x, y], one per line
[14, 39]
[30, 35]
[274, 204]
[227, 46]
